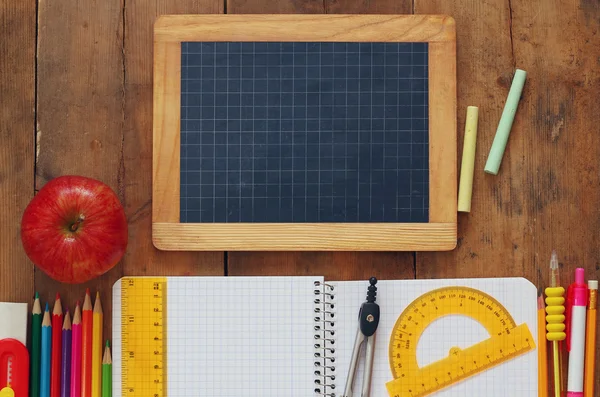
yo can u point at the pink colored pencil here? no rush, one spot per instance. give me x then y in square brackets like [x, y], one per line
[76, 353]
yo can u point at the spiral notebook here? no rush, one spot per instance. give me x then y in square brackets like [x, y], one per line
[293, 336]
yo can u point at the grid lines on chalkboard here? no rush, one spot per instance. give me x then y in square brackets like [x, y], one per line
[304, 132]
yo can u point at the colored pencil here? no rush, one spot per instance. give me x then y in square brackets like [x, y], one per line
[65, 371]
[46, 354]
[86, 346]
[36, 347]
[57, 319]
[97, 348]
[542, 349]
[107, 372]
[76, 353]
[590, 340]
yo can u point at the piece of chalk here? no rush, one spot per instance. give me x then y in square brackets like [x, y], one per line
[508, 115]
[467, 168]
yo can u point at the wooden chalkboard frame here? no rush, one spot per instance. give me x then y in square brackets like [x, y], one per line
[437, 235]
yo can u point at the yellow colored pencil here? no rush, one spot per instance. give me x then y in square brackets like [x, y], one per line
[97, 348]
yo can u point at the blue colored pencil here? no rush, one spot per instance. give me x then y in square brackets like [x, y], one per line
[46, 354]
[65, 372]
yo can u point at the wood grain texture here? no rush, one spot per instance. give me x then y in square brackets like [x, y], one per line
[142, 257]
[304, 236]
[368, 6]
[275, 7]
[485, 65]
[438, 234]
[556, 155]
[442, 132]
[166, 132]
[80, 111]
[95, 119]
[333, 265]
[17, 128]
[357, 28]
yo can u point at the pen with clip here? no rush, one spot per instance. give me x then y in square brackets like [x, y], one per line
[577, 296]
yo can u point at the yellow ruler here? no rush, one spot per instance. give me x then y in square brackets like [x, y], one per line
[507, 340]
[143, 333]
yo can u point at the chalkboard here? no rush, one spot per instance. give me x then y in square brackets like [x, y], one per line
[304, 132]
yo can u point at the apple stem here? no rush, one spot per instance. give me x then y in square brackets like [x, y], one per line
[75, 225]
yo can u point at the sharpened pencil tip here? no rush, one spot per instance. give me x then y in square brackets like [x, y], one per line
[107, 345]
[37, 295]
[57, 296]
[47, 307]
[87, 291]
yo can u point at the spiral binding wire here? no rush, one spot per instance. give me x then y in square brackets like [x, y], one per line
[325, 372]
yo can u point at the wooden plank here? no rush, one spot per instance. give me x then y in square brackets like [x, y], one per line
[487, 234]
[557, 148]
[360, 28]
[333, 265]
[167, 139]
[305, 236]
[17, 126]
[80, 112]
[368, 6]
[442, 132]
[275, 7]
[541, 199]
[142, 257]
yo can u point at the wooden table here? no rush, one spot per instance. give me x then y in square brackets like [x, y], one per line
[76, 97]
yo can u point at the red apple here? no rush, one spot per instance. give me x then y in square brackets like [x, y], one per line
[74, 229]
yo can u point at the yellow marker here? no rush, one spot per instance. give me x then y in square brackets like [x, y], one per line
[97, 348]
[467, 168]
[507, 340]
[7, 392]
[143, 308]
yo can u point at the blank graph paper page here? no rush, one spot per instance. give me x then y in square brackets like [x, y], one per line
[242, 337]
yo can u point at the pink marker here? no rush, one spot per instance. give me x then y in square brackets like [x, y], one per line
[577, 297]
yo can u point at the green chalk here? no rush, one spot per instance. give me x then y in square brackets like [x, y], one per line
[508, 115]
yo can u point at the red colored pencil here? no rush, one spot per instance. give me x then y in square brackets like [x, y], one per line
[86, 346]
[57, 323]
[76, 353]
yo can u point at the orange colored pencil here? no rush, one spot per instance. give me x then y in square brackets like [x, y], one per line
[86, 346]
[57, 320]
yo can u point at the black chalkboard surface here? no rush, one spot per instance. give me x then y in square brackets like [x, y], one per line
[294, 132]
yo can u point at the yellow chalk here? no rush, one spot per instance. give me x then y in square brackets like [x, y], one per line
[465, 189]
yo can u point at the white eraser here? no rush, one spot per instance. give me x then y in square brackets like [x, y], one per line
[592, 284]
[14, 321]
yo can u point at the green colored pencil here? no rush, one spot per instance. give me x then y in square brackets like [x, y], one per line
[36, 347]
[107, 372]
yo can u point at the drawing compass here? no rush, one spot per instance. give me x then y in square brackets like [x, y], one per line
[368, 320]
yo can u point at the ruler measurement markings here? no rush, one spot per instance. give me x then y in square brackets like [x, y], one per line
[143, 355]
[507, 340]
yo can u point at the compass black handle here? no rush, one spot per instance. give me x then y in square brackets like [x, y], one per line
[369, 311]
